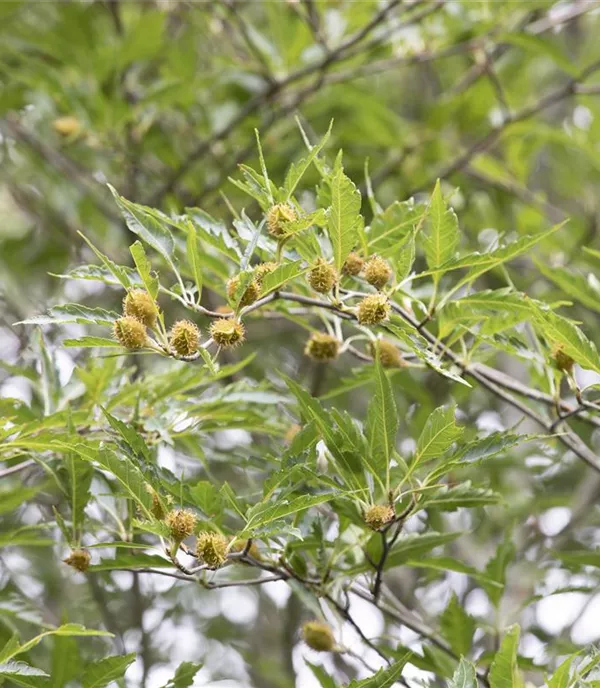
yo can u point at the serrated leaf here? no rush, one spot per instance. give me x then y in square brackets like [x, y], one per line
[561, 677]
[132, 561]
[442, 240]
[73, 313]
[504, 672]
[496, 569]
[439, 433]
[296, 170]
[102, 672]
[464, 676]
[120, 273]
[150, 225]
[282, 274]
[261, 515]
[184, 676]
[489, 446]
[193, 257]
[70, 629]
[144, 268]
[344, 217]
[22, 674]
[384, 678]
[457, 626]
[382, 424]
[393, 227]
[85, 342]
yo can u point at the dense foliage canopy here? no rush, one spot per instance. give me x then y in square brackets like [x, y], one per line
[298, 381]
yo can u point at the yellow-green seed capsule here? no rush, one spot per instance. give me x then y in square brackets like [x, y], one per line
[67, 125]
[388, 354]
[130, 332]
[353, 264]
[157, 509]
[251, 293]
[322, 347]
[79, 559]
[227, 332]
[278, 217]
[379, 515]
[373, 309]
[211, 549]
[377, 272]
[184, 338]
[322, 277]
[140, 305]
[181, 523]
[318, 636]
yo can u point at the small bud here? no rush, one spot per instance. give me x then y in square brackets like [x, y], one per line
[251, 293]
[262, 270]
[322, 347]
[377, 272]
[130, 332]
[67, 126]
[79, 559]
[240, 546]
[225, 310]
[181, 523]
[353, 264]
[318, 636]
[140, 305]
[379, 515]
[562, 361]
[291, 432]
[278, 217]
[211, 549]
[227, 332]
[322, 277]
[373, 309]
[388, 354]
[184, 338]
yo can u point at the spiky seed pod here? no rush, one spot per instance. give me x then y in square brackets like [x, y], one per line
[67, 125]
[184, 338]
[379, 515]
[377, 272]
[181, 523]
[278, 217]
[562, 361]
[373, 309]
[227, 332]
[291, 432]
[353, 264]
[322, 347]
[79, 559]
[318, 636]
[140, 305]
[240, 546]
[322, 277]
[262, 270]
[388, 354]
[157, 509]
[251, 293]
[211, 549]
[130, 332]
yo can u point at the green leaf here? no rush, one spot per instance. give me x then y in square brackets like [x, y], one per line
[439, 433]
[443, 237]
[561, 677]
[70, 629]
[73, 313]
[23, 674]
[384, 678]
[92, 342]
[546, 47]
[393, 227]
[102, 672]
[273, 281]
[487, 447]
[130, 435]
[504, 672]
[184, 676]
[462, 495]
[382, 424]
[144, 268]
[563, 333]
[132, 561]
[344, 216]
[464, 676]
[193, 256]
[457, 626]
[296, 170]
[586, 291]
[261, 514]
[120, 273]
[149, 225]
[496, 569]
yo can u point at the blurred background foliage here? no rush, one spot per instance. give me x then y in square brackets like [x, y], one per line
[161, 99]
